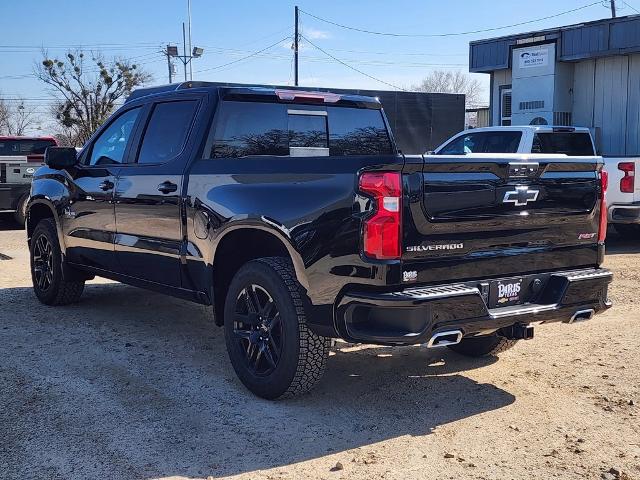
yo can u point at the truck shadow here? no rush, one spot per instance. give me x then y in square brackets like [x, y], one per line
[8, 223]
[619, 245]
[128, 383]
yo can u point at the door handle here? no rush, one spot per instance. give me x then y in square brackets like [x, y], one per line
[106, 185]
[167, 187]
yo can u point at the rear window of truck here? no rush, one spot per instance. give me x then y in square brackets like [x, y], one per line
[24, 147]
[568, 143]
[244, 129]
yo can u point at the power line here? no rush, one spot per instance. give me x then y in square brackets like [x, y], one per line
[390, 34]
[631, 7]
[351, 67]
[245, 57]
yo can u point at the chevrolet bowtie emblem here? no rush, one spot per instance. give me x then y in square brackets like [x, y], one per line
[520, 196]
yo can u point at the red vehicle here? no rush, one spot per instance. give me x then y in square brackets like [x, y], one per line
[19, 159]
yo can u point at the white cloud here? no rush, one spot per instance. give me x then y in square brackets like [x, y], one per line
[314, 34]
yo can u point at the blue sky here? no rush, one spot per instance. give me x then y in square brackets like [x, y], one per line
[229, 31]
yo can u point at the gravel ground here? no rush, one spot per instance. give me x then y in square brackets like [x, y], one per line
[131, 384]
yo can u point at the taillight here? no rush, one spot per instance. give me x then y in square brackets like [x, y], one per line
[382, 230]
[604, 183]
[627, 183]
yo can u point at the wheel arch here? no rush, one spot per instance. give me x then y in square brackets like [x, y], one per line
[37, 210]
[241, 243]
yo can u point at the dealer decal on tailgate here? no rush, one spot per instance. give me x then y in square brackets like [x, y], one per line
[509, 292]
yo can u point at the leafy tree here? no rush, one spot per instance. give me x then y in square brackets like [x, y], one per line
[454, 81]
[87, 95]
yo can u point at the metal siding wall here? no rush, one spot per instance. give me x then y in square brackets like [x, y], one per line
[583, 93]
[610, 112]
[625, 34]
[633, 107]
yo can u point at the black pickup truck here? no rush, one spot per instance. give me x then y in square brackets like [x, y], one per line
[292, 214]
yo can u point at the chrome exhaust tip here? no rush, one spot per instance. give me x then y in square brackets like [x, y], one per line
[582, 315]
[442, 339]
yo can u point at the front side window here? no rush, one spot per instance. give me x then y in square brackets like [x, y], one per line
[470, 143]
[249, 128]
[166, 133]
[110, 146]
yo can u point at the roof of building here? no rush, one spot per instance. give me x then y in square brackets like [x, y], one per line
[611, 36]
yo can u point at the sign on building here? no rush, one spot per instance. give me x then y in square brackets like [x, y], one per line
[534, 57]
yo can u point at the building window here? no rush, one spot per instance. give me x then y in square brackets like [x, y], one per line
[505, 107]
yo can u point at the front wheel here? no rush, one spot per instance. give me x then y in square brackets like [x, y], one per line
[20, 214]
[270, 346]
[483, 346]
[49, 284]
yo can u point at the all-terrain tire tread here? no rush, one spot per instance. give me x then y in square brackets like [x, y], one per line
[314, 349]
[68, 291]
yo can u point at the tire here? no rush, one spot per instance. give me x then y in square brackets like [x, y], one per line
[484, 346]
[628, 230]
[20, 215]
[46, 267]
[270, 346]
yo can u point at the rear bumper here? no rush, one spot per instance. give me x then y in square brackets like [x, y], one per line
[624, 213]
[414, 315]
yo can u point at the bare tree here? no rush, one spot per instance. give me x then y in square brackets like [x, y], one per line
[453, 81]
[87, 95]
[15, 119]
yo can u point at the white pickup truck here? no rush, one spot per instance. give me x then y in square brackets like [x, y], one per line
[623, 194]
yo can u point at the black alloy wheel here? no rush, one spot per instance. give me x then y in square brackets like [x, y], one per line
[43, 265]
[258, 329]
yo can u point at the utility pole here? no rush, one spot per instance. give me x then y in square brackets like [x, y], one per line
[184, 51]
[169, 66]
[171, 51]
[613, 8]
[295, 49]
[189, 13]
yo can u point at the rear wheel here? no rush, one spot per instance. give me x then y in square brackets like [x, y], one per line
[20, 214]
[483, 346]
[628, 230]
[272, 350]
[46, 267]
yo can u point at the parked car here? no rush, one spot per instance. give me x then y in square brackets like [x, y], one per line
[292, 214]
[19, 159]
[623, 195]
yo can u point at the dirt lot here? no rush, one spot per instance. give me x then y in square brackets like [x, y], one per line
[131, 384]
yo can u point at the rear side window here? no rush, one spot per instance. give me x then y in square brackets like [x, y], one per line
[166, 132]
[355, 131]
[250, 128]
[246, 128]
[575, 144]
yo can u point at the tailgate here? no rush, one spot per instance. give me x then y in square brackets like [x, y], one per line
[483, 216]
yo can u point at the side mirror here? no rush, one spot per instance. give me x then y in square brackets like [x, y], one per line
[430, 152]
[60, 157]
